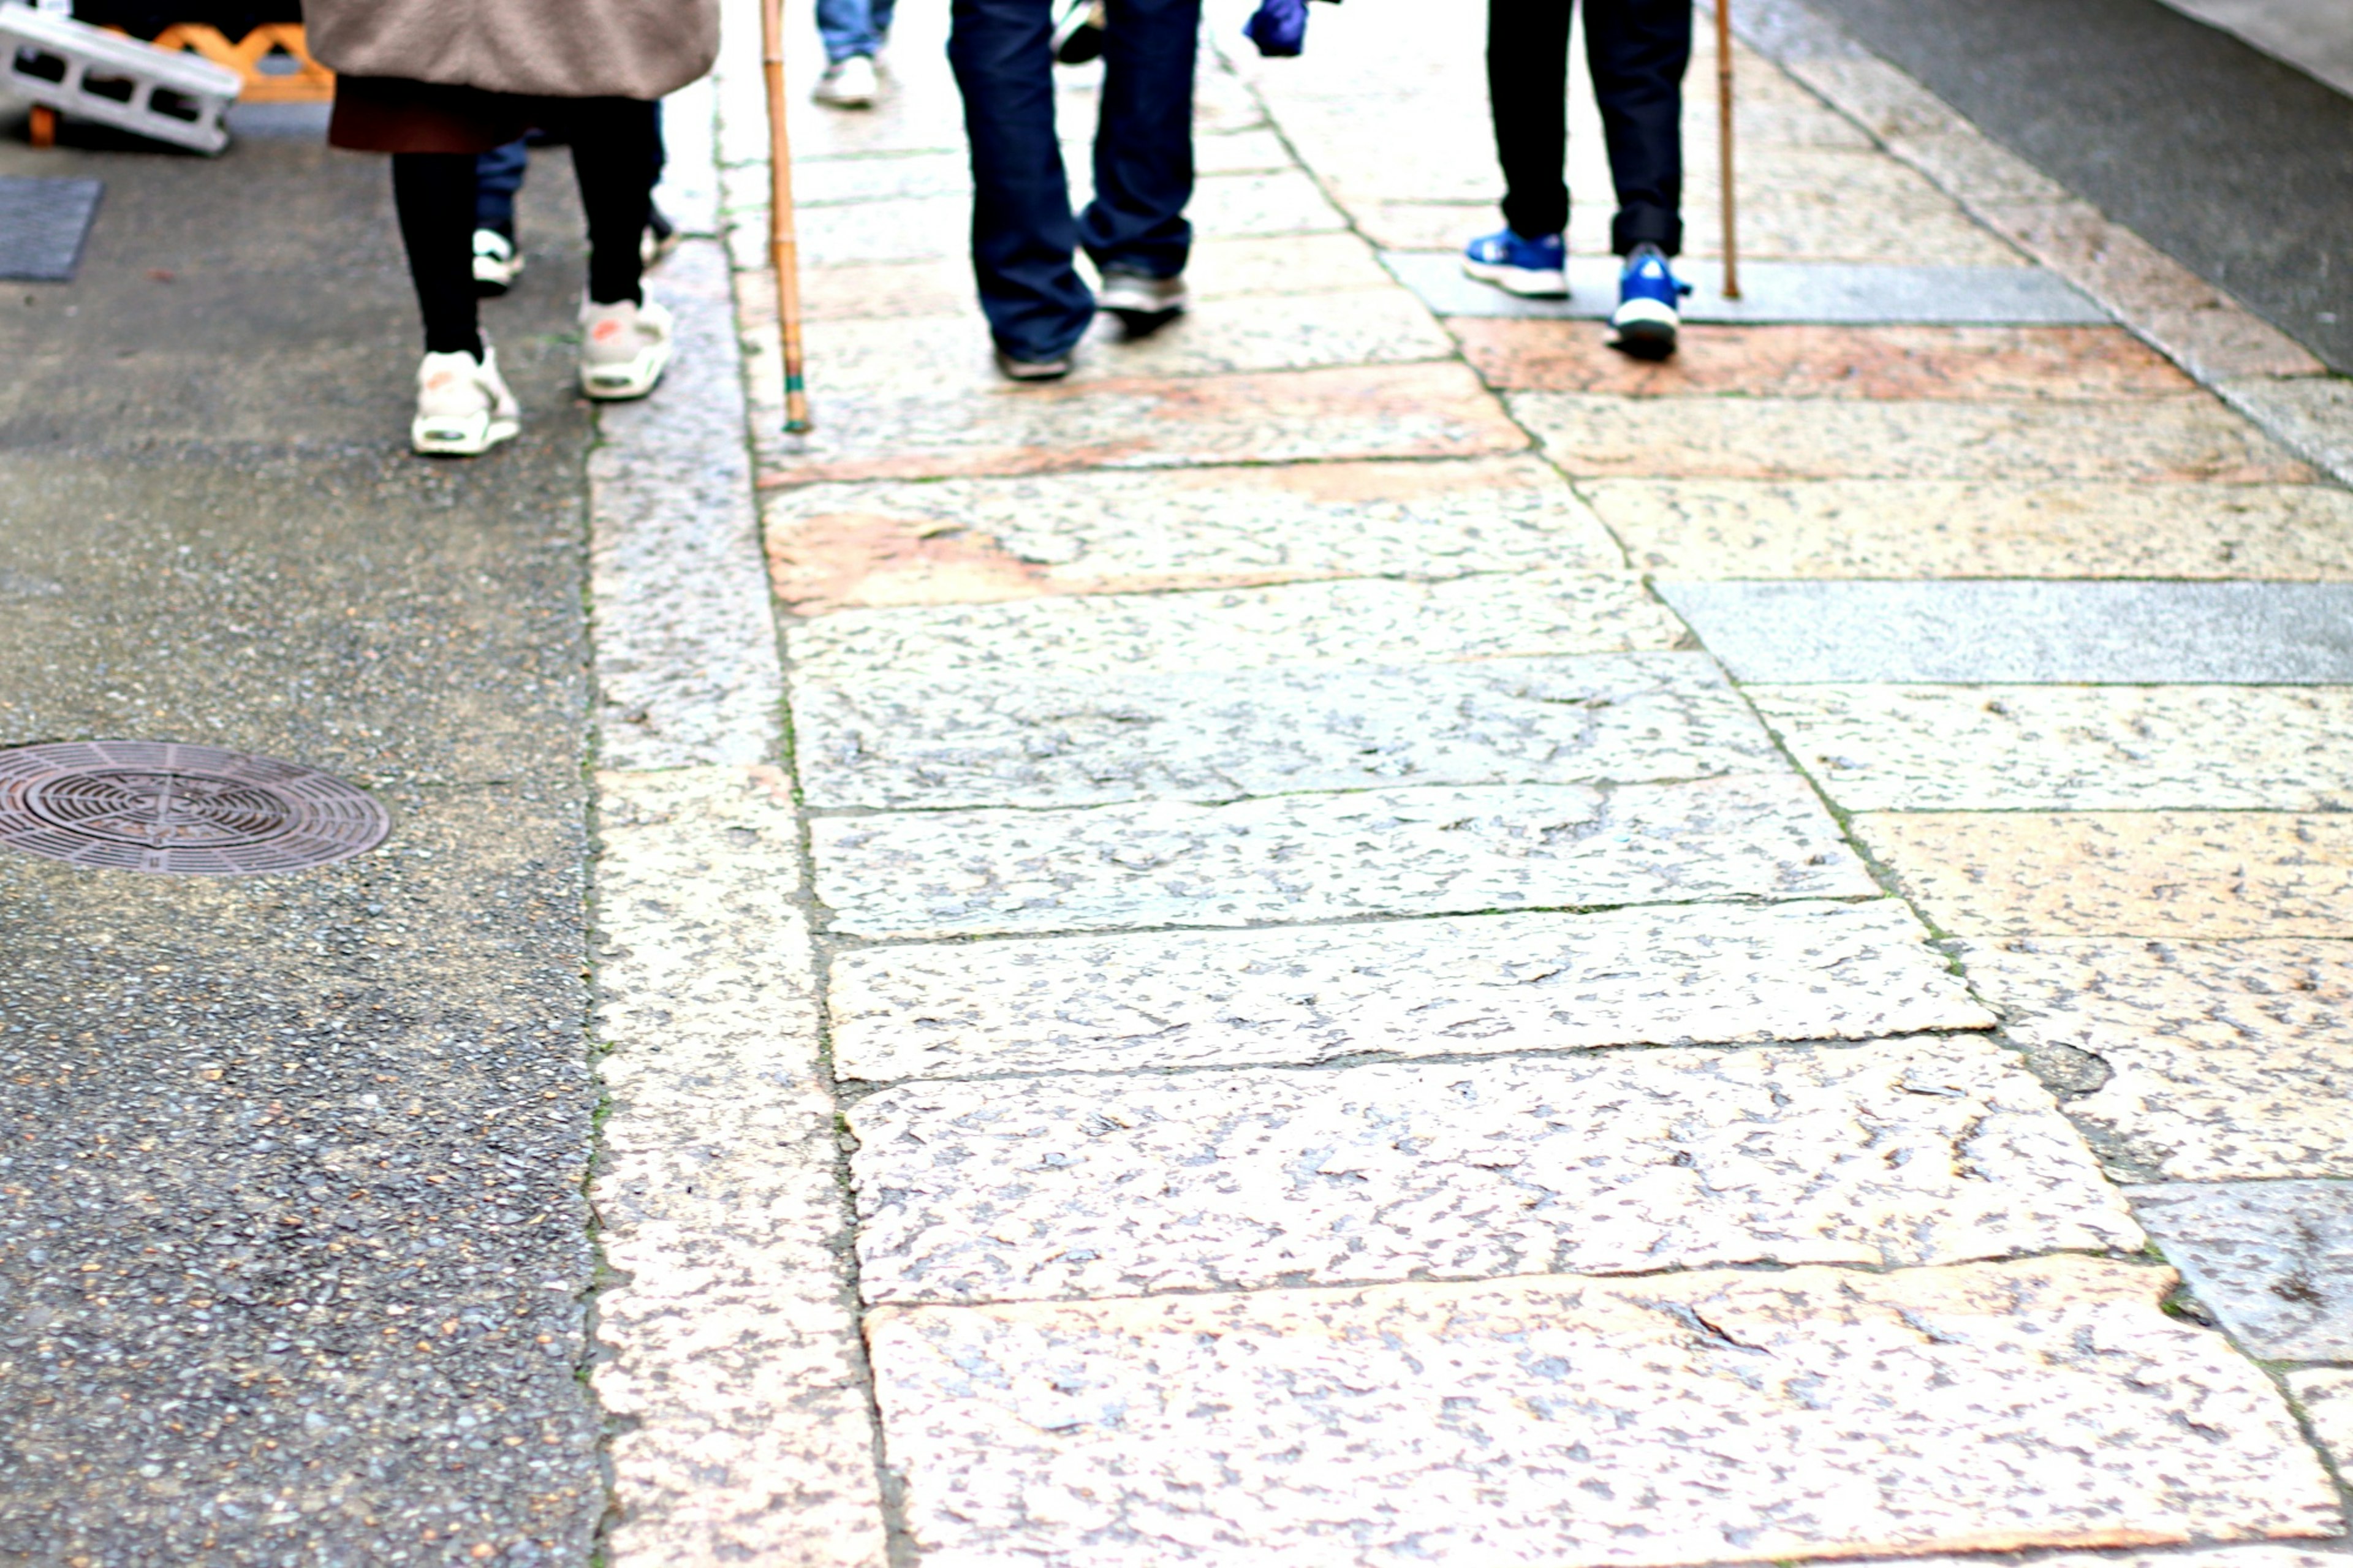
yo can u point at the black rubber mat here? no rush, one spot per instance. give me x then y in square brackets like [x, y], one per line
[42, 225]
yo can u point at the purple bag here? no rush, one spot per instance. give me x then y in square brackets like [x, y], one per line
[1278, 28]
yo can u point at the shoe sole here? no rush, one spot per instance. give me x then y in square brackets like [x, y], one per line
[621, 382]
[461, 438]
[1645, 338]
[1526, 282]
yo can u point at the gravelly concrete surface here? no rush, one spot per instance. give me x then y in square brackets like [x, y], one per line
[294, 1251]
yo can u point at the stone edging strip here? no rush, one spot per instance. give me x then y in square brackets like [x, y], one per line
[2257, 368]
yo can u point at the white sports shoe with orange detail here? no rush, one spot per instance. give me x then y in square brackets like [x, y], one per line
[463, 406]
[624, 349]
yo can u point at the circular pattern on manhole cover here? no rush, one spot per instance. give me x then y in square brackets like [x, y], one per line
[188, 811]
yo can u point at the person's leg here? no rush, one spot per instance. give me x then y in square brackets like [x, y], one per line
[1144, 141]
[1639, 50]
[1023, 235]
[1527, 92]
[434, 195]
[498, 175]
[617, 157]
[847, 29]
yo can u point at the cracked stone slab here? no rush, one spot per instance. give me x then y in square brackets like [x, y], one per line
[686, 650]
[1947, 528]
[1429, 410]
[730, 1352]
[971, 541]
[1313, 858]
[1694, 1418]
[1998, 748]
[2202, 1061]
[2187, 875]
[1773, 291]
[1815, 438]
[1482, 985]
[1351, 623]
[2272, 1260]
[2326, 1396]
[2034, 631]
[1050, 742]
[2060, 364]
[1905, 1152]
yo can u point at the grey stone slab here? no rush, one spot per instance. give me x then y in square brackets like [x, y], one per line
[2312, 414]
[1908, 1151]
[1316, 857]
[1837, 293]
[1360, 622]
[1483, 986]
[43, 223]
[2272, 1260]
[990, 741]
[2041, 631]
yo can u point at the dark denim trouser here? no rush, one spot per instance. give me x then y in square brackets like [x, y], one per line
[1024, 235]
[1638, 50]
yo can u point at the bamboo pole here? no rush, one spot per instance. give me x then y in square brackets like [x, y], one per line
[784, 249]
[1724, 146]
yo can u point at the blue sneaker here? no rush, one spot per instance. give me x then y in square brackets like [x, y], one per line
[1536, 268]
[1648, 293]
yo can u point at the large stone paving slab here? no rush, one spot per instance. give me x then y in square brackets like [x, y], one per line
[1704, 974]
[2272, 1260]
[1314, 858]
[2327, 1398]
[2212, 1060]
[1913, 1150]
[1498, 617]
[1947, 528]
[1047, 741]
[2080, 364]
[1994, 748]
[1813, 437]
[2036, 631]
[2185, 875]
[967, 540]
[1374, 411]
[1683, 1419]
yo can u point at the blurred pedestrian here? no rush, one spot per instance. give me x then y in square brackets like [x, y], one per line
[1637, 51]
[1024, 235]
[853, 33]
[498, 180]
[437, 85]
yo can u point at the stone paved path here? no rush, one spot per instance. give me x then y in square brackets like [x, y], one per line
[1380, 937]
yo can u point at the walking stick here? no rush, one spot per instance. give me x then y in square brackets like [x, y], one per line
[1724, 145]
[783, 250]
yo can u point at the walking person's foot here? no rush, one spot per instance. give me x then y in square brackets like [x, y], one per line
[624, 348]
[1143, 304]
[463, 406]
[848, 84]
[1649, 301]
[1535, 269]
[1014, 367]
[1078, 31]
[497, 262]
[661, 237]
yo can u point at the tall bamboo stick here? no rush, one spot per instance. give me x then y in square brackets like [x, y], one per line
[1724, 146]
[784, 249]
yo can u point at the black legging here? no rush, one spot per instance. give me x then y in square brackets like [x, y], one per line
[617, 154]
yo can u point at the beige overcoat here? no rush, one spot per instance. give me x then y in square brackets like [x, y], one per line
[556, 48]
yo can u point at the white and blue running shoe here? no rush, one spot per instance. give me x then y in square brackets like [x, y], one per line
[1648, 295]
[1536, 268]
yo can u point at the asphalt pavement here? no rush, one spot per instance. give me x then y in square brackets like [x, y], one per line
[2239, 166]
[294, 1255]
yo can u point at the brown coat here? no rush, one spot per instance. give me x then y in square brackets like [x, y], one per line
[553, 49]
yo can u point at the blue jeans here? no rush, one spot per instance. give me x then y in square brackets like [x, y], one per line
[498, 175]
[1024, 235]
[852, 27]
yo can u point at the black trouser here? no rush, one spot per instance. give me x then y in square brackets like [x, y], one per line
[617, 155]
[1638, 50]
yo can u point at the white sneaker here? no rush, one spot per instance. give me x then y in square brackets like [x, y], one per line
[497, 262]
[463, 407]
[624, 348]
[848, 84]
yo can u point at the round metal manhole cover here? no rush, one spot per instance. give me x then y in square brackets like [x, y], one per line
[188, 811]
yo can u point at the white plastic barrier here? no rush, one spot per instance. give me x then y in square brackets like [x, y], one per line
[85, 71]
